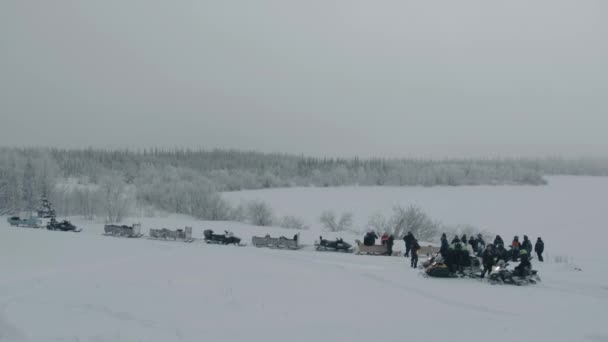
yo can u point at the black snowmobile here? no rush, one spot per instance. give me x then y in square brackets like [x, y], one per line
[501, 275]
[221, 239]
[65, 226]
[337, 245]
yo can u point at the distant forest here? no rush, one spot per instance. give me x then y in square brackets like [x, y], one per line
[93, 182]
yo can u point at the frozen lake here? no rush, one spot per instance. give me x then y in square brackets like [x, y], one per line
[565, 212]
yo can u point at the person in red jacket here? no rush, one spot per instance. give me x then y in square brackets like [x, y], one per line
[384, 238]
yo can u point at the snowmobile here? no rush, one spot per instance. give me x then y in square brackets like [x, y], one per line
[337, 245]
[221, 239]
[435, 267]
[31, 222]
[65, 226]
[501, 275]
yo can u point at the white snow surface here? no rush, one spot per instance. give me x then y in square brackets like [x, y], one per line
[58, 286]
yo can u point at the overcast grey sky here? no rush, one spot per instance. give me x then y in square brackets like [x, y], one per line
[320, 77]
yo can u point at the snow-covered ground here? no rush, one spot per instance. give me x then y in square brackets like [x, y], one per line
[57, 286]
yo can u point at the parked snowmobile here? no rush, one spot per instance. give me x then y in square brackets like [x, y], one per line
[30, 222]
[435, 267]
[501, 275]
[221, 239]
[65, 226]
[337, 245]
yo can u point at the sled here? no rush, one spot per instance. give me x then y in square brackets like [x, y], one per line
[428, 250]
[280, 242]
[133, 231]
[184, 235]
[30, 222]
[338, 245]
[371, 250]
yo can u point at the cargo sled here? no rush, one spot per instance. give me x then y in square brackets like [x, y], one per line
[221, 239]
[371, 250]
[280, 242]
[337, 245]
[64, 226]
[184, 235]
[29, 222]
[133, 231]
[428, 250]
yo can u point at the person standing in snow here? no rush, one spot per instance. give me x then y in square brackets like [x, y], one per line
[445, 247]
[370, 238]
[501, 253]
[473, 243]
[515, 247]
[498, 241]
[415, 247]
[455, 255]
[389, 245]
[481, 244]
[539, 248]
[408, 243]
[487, 258]
[384, 238]
[527, 244]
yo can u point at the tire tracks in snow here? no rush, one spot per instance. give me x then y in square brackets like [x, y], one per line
[305, 256]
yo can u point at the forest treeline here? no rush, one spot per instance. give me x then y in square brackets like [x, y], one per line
[94, 182]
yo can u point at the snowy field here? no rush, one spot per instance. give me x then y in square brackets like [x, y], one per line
[57, 286]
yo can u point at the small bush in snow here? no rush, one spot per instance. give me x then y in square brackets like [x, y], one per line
[292, 222]
[404, 220]
[259, 214]
[328, 220]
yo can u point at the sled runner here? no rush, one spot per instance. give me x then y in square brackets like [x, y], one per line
[333, 245]
[371, 250]
[64, 226]
[221, 239]
[184, 235]
[280, 242]
[133, 231]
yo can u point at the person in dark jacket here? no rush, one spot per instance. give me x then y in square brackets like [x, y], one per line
[527, 244]
[487, 259]
[408, 243]
[473, 243]
[501, 253]
[455, 256]
[464, 239]
[539, 248]
[525, 265]
[445, 247]
[498, 241]
[481, 244]
[415, 247]
[389, 245]
[370, 238]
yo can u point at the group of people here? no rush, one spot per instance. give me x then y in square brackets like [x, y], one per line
[457, 253]
[521, 251]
